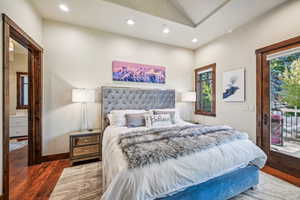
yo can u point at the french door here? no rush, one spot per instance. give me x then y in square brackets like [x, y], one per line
[278, 104]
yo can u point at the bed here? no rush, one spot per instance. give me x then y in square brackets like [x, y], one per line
[216, 173]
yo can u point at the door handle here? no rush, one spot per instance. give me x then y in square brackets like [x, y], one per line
[266, 119]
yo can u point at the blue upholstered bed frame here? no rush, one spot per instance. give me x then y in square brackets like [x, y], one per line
[222, 187]
[219, 188]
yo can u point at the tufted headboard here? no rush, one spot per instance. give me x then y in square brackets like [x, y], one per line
[123, 98]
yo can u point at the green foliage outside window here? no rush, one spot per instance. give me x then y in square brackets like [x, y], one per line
[290, 92]
[206, 91]
[282, 90]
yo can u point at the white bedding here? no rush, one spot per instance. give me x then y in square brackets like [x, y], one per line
[159, 180]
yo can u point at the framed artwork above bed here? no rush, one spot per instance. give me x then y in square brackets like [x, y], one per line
[134, 72]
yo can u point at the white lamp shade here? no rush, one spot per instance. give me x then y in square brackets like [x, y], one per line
[83, 95]
[188, 97]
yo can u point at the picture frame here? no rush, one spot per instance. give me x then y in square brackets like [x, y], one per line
[134, 72]
[234, 86]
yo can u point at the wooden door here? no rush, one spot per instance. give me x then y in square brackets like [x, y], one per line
[278, 99]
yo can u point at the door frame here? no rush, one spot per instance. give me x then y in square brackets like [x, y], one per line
[263, 140]
[35, 65]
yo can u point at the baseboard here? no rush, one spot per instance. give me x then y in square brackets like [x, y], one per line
[53, 157]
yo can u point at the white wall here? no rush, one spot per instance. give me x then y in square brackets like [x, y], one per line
[237, 50]
[77, 57]
[27, 18]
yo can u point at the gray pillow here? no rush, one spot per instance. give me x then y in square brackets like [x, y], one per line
[135, 120]
[171, 113]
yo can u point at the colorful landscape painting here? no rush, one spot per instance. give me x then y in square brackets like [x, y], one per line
[133, 72]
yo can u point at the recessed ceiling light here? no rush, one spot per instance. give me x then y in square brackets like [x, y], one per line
[194, 40]
[229, 30]
[166, 30]
[64, 8]
[130, 22]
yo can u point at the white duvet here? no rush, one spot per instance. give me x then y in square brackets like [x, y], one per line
[160, 180]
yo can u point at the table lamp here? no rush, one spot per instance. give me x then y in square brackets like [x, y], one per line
[83, 96]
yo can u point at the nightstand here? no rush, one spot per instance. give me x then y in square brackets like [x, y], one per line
[85, 145]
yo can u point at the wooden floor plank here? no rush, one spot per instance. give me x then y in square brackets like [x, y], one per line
[284, 176]
[34, 182]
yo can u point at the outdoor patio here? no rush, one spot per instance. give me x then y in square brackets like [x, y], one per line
[291, 148]
[286, 131]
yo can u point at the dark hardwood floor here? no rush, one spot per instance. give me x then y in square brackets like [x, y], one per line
[38, 181]
[34, 182]
[282, 175]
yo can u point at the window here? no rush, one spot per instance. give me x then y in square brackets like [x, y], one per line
[22, 90]
[205, 83]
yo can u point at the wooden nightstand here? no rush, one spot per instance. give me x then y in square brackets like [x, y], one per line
[85, 145]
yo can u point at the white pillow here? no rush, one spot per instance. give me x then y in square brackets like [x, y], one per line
[177, 116]
[148, 119]
[118, 117]
[112, 120]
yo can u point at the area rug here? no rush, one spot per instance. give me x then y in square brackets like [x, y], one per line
[15, 145]
[84, 182]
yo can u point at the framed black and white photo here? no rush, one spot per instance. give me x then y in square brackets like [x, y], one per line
[234, 86]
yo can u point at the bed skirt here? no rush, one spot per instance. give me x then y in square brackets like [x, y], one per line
[222, 187]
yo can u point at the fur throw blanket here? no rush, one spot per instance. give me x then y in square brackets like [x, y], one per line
[156, 145]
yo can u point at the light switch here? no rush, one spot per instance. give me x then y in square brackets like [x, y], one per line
[251, 107]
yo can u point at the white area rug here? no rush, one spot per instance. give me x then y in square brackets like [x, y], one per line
[84, 182]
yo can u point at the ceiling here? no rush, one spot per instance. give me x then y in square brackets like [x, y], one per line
[205, 20]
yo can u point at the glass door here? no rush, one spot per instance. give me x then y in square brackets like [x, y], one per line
[285, 103]
[281, 109]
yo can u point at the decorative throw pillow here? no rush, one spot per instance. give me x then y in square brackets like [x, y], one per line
[160, 120]
[171, 113]
[117, 117]
[135, 120]
[177, 118]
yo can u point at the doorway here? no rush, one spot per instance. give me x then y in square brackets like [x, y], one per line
[22, 100]
[278, 104]
[18, 115]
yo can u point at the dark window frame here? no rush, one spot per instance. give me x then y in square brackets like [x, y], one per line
[197, 71]
[20, 91]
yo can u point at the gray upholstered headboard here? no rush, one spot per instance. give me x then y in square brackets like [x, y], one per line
[123, 98]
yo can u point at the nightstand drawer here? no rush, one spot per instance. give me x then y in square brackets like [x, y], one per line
[86, 140]
[86, 150]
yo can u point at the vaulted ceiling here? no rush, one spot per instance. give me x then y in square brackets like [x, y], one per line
[186, 19]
